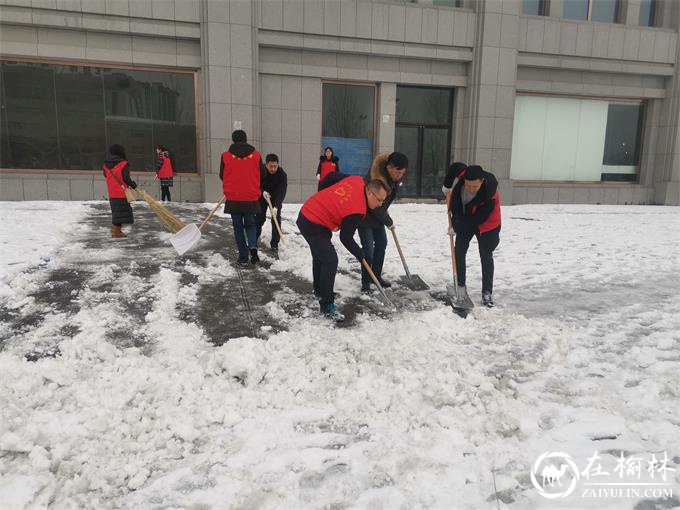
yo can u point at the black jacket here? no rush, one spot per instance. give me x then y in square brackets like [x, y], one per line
[463, 218]
[241, 150]
[277, 186]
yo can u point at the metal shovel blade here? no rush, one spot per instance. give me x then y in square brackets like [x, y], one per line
[185, 239]
[459, 297]
[413, 282]
[388, 298]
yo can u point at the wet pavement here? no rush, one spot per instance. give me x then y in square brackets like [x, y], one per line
[120, 274]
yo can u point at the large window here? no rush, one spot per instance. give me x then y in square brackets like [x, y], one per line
[567, 139]
[60, 116]
[348, 124]
[593, 10]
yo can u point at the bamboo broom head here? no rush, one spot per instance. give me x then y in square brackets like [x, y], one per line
[172, 222]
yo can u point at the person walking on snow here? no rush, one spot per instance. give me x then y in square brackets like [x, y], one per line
[242, 173]
[275, 187]
[341, 205]
[474, 206]
[328, 163]
[117, 173]
[390, 170]
[165, 167]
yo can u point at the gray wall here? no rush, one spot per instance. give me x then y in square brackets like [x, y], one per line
[261, 64]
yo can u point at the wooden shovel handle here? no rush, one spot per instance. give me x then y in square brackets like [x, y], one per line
[452, 240]
[271, 210]
[401, 253]
[212, 213]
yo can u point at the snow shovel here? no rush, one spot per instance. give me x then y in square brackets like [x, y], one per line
[387, 299]
[187, 238]
[412, 281]
[459, 297]
[271, 211]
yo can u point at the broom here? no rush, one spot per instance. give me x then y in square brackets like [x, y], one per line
[172, 222]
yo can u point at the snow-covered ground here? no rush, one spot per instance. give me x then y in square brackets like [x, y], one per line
[423, 409]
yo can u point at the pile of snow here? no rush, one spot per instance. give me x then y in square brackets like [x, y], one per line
[422, 410]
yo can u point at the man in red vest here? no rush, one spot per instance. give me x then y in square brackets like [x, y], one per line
[242, 173]
[475, 209]
[339, 206]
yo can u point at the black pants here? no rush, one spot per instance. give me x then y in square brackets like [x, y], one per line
[488, 241]
[165, 192]
[324, 257]
[260, 220]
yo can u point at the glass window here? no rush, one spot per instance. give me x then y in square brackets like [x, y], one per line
[621, 146]
[571, 139]
[534, 7]
[65, 116]
[348, 125]
[604, 10]
[576, 9]
[647, 8]
[422, 105]
[448, 3]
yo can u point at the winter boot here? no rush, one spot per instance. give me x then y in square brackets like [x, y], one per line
[116, 231]
[331, 311]
[254, 259]
[365, 287]
[487, 300]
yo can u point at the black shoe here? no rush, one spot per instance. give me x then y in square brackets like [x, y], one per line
[243, 263]
[365, 288]
[254, 259]
[275, 247]
[385, 284]
[487, 299]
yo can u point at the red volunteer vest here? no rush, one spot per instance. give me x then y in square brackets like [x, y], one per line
[326, 168]
[241, 177]
[113, 186]
[166, 168]
[333, 204]
[494, 219]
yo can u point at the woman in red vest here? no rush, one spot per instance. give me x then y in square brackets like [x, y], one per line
[117, 173]
[340, 205]
[164, 171]
[328, 163]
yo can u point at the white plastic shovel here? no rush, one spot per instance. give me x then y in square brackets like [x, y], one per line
[187, 238]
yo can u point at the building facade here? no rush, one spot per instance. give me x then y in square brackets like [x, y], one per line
[566, 101]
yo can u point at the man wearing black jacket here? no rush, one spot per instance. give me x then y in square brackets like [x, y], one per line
[390, 169]
[275, 187]
[475, 208]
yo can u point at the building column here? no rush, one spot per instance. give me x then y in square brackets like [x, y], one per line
[387, 110]
[667, 164]
[490, 98]
[228, 82]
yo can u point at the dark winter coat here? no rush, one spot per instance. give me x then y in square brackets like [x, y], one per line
[379, 216]
[242, 150]
[121, 211]
[483, 213]
[277, 186]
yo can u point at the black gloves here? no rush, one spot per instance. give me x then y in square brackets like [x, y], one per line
[133, 185]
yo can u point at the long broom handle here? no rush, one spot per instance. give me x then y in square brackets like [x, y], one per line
[271, 210]
[401, 253]
[207, 219]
